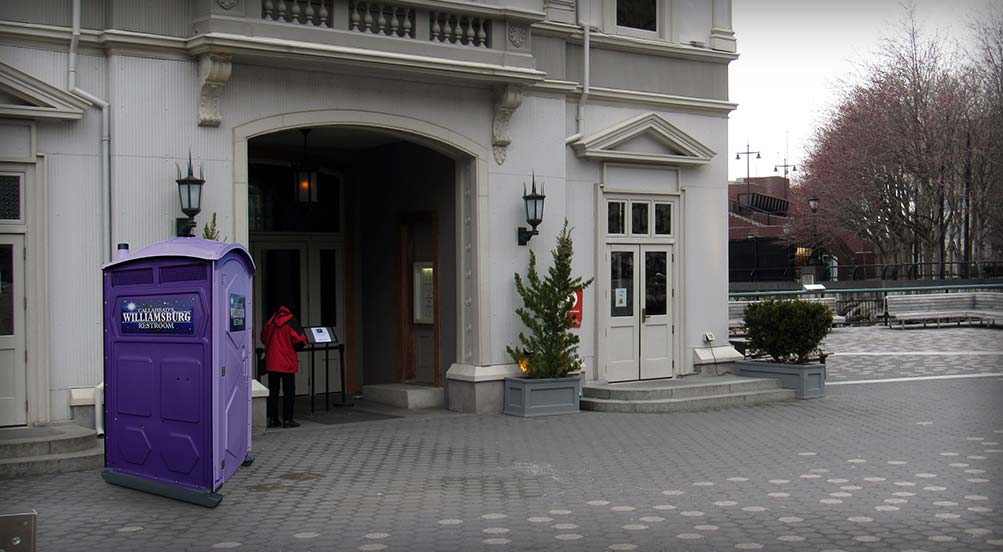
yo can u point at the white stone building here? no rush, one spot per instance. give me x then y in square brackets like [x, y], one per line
[427, 117]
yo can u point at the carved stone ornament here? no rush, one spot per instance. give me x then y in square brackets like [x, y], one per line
[226, 4]
[214, 71]
[517, 35]
[507, 100]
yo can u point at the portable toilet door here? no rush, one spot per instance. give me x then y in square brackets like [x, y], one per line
[233, 347]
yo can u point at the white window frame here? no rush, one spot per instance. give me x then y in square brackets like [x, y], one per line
[663, 22]
[626, 217]
[21, 197]
[672, 218]
[632, 233]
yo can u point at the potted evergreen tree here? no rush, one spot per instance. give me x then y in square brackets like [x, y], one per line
[549, 353]
[790, 334]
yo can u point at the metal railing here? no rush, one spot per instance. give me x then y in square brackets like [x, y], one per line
[952, 270]
[862, 306]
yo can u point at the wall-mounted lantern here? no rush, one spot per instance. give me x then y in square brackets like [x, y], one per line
[813, 204]
[190, 193]
[534, 211]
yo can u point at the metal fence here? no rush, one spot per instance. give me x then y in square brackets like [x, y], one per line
[863, 307]
[915, 271]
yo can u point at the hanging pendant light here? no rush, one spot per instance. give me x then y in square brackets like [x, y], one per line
[305, 175]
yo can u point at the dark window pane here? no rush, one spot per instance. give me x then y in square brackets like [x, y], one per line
[639, 218]
[10, 197]
[655, 282]
[255, 209]
[637, 14]
[663, 218]
[621, 284]
[616, 217]
[328, 288]
[282, 282]
[6, 289]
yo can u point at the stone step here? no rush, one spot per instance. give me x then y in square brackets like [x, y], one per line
[402, 395]
[689, 404]
[42, 440]
[64, 462]
[678, 389]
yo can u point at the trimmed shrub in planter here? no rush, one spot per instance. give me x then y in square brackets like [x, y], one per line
[548, 353]
[790, 332]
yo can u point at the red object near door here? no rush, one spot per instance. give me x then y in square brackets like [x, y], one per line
[576, 309]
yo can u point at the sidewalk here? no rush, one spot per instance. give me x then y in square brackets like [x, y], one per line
[898, 466]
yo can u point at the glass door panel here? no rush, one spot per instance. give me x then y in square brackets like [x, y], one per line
[622, 284]
[623, 320]
[655, 282]
[283, 281]
[656, 320]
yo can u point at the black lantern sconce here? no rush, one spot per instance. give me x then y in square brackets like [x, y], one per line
[190, 193]
[534, 211]
[813, 204]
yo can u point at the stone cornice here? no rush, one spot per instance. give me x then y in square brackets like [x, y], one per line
[253, 48]
[599, 39]
[676, 103]
[240, 46]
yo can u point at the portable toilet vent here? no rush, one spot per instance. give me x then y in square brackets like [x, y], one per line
[178, 357]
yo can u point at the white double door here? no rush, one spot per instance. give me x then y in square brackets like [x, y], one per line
[639, 312]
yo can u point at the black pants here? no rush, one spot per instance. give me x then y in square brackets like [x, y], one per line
[289, 395]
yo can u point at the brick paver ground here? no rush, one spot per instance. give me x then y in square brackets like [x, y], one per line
[865, 353]
[890, 466]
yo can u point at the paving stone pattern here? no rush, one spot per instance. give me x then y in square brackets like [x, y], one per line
[902, 466]
[865, 353]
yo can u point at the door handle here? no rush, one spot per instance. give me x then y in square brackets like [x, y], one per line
[644, 314]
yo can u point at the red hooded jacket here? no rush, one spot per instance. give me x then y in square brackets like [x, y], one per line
[280, 336]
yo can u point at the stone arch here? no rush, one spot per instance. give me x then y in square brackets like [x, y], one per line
[471, 178]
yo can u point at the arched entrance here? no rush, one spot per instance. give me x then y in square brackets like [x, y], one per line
[369, 230]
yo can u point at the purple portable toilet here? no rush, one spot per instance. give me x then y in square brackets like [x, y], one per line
[178, 358]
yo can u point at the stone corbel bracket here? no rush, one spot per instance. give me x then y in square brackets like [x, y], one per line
[214, 71]
[508, 98]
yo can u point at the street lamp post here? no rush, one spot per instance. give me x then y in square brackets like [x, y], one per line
[813, 205]
[785, 166]
[738, 157]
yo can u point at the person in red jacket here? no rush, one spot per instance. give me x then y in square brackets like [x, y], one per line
[282, 336]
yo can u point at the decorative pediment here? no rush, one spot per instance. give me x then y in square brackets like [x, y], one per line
[25, 97]
[644, 139]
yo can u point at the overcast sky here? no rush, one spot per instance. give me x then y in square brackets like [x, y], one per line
[794, 53]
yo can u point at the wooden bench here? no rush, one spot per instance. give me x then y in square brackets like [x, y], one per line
[938, 308]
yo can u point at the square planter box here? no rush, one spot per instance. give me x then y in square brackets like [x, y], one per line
[542, 397]
[807, 380]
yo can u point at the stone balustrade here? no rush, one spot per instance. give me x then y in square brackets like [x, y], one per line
[398, 20]
[316, 13]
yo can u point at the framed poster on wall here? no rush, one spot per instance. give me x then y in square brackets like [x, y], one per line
[424, 293]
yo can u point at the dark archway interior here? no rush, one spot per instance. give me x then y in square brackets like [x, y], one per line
[341, 233]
